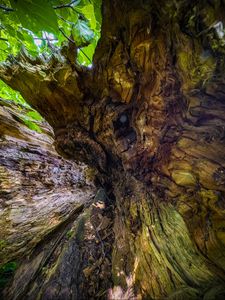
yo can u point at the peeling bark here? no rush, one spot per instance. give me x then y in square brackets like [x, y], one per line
[150, 118]
[38, 189]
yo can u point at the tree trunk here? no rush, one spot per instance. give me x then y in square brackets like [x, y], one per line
[40, 193]
[149, 117]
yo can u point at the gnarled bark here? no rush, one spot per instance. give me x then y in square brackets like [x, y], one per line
[149, 116]
[38, 189]
[52, 219]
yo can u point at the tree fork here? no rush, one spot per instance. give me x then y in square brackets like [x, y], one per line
[149, 116]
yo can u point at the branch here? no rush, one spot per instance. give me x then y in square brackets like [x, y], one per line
[51, 86]
[6, 8]
[64, 20]
[72, 41]
[67, 37]
[68, 5]
[44, 39]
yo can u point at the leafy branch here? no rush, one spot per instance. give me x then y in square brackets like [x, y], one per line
[42, 29]
[72, 41]
[68, 5]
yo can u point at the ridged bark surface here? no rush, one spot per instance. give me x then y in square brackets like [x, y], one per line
[149, 117]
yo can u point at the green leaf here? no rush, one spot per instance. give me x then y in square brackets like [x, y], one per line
[4, 45]
[20, 36]
[32, 19]
[7, 93]
[82, 34]
[85, 55]
[98, 15]
[36, 15]
[88, 12]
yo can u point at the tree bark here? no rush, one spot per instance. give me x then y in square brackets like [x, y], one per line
[40, 193]
[149, 116]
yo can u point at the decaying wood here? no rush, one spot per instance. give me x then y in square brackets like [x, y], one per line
[149, 116]
[53, 270]
[38, 189]
[51, 216]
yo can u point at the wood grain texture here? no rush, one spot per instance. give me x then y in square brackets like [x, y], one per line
[38, 189]
[149, 116]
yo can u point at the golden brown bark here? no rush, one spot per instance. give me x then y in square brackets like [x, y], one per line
[149, 116]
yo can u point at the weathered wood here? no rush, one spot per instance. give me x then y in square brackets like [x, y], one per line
[38, 189]
[73, 262]
[149, 116]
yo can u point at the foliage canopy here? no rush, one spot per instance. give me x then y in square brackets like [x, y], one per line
[45, 25]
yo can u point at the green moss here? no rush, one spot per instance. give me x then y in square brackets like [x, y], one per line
[2, 244]
[69, 233]
[6, 273]
[30, 124]
[165, 250]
